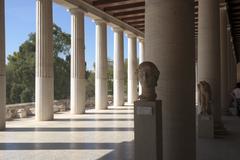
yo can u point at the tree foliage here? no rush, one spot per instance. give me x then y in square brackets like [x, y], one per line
[21, 68]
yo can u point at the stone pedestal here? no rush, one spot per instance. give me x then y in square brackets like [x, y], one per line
[205, 126]
[148, 130]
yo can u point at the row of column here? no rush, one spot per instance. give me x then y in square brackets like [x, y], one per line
[44, 92]
[228, 61]
[169, 35]
[44, 72]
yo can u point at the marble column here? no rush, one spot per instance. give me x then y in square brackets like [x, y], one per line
[169, 44]
[101, 65]
[132, 68]
[78, 81]
[229, 63]
[141, 58]
[223, 42]
[141, 50]
[238, 72]
[44, 93]
[209, 52]
[118, 66]
[2, 66]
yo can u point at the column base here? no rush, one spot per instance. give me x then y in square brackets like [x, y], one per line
[101, 94]
[132, 91]
[219, 130]
[44, 99]
[118, 93]
[2, 118]
[78, 96]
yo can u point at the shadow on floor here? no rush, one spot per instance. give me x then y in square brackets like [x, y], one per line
[124, 151]
[118, 147]
[36, 129]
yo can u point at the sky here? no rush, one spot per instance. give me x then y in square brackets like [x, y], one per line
[21, 20]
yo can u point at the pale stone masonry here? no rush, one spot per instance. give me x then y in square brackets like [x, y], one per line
[118, 66]
[169, 44]
[78, 81]
[209, 52]
[44, 61]
[224, 54]
[2, 66]
[101, 65]
[141, 58]
[132, 68]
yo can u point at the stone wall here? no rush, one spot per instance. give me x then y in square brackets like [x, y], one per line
[24, 110]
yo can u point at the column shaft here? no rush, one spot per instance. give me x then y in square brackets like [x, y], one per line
[2, 66]
[209, 52]
[169, 40]
[118, 66]
[101, 65]
[78, 81]
[132, 68]
[141, 58]
[223, 40]
[44, 61]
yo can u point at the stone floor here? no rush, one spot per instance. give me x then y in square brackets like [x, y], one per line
[103, 135]
[96, 135]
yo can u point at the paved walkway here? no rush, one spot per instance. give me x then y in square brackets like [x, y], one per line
[102, 135]
[95, 135]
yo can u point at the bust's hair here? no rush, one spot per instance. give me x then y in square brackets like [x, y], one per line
[153, 67]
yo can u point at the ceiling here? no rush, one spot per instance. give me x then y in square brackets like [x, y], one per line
[233, 7]
[132, 12]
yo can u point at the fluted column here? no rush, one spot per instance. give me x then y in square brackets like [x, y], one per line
[141, 50]
[78, 81]
[238, 72]
[209, 52]
[2, 66]
[44, 61]
[132, 68]
[223, 42]
[229, 63]
[118, 66]
[101, 65]
[141, 57]
[169, 44]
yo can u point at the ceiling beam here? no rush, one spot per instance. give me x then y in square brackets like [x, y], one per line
[124, 6]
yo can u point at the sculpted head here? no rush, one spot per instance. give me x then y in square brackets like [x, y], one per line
[148, 75]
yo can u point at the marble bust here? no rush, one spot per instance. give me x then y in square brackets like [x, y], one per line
[148, 75]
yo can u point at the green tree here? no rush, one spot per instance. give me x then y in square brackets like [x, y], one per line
[110, 77]
[21, 68]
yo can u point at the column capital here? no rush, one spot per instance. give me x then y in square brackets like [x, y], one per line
[131, 35]
[228, 27]
[223, 5]
[117, 29]
[75, 11]
[99, 21]
[141, 39]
